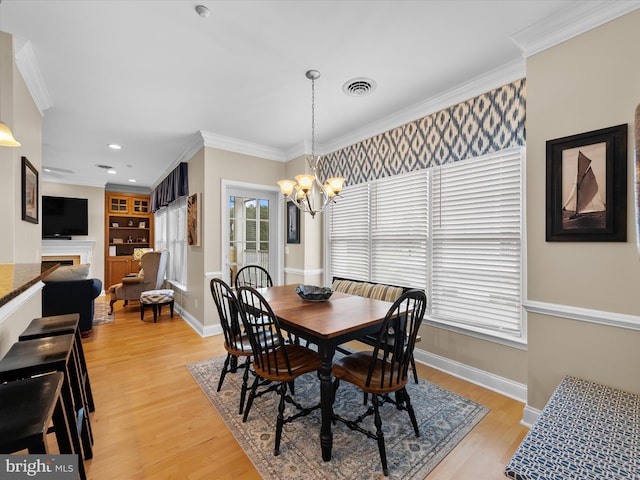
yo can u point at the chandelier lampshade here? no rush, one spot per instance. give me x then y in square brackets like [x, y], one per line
[6, 137]
[307, 191]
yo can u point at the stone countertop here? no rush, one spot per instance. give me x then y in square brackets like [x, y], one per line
[16, 278]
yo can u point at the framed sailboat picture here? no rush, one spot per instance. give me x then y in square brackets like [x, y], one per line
[587, 187]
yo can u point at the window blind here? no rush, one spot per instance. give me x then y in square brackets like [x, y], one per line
[476, 243]
[349, 233]
[399, 230]
[455, 230]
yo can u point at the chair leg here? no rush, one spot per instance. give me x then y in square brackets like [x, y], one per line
[223, 373]
[171, 310]
[141, 311]
[413, 367]
[280, 420]
[412, 414]
[252, 395]
[380, 436]
[245, 380]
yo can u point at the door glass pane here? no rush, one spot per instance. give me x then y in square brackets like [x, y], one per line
[248, 233]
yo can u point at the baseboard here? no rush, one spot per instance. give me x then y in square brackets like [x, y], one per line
[203, 331]
[529, 416]
[490, 381]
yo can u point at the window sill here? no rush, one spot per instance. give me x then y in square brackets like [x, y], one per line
[495, 337]
[178, 286]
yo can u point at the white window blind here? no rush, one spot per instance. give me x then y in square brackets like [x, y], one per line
[454, 230]
[476, 243]
[349, 233]
[399, 230]
[379, 231]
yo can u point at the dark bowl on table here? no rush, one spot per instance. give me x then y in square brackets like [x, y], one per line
[312, 293]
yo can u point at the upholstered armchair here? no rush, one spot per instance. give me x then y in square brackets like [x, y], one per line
[153, 266]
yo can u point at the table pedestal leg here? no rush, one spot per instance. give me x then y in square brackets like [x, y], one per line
[326, 402]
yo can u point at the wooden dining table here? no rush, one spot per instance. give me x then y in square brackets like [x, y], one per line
[327, 324]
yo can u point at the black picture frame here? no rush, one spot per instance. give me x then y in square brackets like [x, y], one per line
[30, 192]
[293, 223]
[579, 168]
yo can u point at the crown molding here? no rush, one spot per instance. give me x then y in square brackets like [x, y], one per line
[28, 65]
[503, 75]
[576, 18]
[241, 146]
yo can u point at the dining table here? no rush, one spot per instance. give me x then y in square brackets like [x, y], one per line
[327, 324]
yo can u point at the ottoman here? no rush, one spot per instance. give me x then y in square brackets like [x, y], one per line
[156, 299]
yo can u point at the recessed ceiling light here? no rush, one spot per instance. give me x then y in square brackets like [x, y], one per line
[132, 180]
[114, 146]
[203, 11]
[48, 170]
[112, 172]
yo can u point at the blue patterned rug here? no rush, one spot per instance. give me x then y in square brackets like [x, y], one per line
[444, 419]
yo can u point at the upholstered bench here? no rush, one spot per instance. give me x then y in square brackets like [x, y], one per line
[156, 299]
[586, 431]
[378, 291]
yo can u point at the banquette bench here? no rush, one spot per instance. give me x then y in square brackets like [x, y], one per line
[586, 431]
[378, 291]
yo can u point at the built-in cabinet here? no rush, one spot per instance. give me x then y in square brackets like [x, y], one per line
[128, 226]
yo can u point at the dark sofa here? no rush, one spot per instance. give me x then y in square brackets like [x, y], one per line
[60, 297]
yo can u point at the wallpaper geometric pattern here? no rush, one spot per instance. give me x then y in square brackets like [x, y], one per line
[487, 123]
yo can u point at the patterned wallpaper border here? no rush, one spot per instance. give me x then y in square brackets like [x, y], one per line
[487, 123]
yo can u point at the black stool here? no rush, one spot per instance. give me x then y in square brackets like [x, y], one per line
[26, 409]
[62, 325]
[53, 354]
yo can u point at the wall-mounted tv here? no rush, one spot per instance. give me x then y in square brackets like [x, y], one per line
[63, 217]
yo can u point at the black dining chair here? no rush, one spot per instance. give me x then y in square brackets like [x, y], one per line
[253, 276]
[385, 369]
[236, 342]
[276, 363]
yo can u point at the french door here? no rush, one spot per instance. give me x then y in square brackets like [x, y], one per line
[251, 222]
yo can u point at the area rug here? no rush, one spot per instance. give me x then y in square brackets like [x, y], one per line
[100, 315]
[444, 418]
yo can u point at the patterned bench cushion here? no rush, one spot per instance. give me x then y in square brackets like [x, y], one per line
[156, 296]
[376, 291]
[586, 431]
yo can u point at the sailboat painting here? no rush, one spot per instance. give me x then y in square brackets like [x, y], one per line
[584, 186]
[586, 198]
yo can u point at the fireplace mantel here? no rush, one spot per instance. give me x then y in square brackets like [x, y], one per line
[68, 248]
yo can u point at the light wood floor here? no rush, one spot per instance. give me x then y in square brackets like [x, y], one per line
[152, 421]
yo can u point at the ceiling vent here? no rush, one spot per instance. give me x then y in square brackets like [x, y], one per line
[359, 87]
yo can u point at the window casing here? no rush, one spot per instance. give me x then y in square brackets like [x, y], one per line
[454, 230]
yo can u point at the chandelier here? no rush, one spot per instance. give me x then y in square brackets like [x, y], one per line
[308, 192]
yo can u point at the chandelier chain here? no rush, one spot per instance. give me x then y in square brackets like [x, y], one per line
[313, 117]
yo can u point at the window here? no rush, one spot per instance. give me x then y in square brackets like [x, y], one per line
[171, 233]
[454, 230]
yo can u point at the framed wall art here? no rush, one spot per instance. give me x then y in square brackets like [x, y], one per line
[30, 193]
[293, 223]
[586, 198]
[193, 220]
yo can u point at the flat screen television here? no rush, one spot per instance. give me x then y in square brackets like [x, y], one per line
[63, 217]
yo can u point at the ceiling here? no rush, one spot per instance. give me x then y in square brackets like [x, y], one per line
[160, 80]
